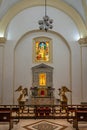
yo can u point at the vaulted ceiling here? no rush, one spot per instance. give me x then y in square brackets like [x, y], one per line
[80, 6]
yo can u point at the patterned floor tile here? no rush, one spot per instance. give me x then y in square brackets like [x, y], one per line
[44, 125]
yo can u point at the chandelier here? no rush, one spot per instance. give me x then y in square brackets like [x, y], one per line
[46, 22]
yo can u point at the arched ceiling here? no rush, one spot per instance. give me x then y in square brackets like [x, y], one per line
[9, 8]
[78, 5]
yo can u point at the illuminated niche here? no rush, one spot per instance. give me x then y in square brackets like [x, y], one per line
[42, 49]
[42, 79]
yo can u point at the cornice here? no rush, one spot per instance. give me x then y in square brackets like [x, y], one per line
[83, 41]
[2, 40]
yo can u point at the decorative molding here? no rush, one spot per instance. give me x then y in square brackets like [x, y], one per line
[83, 41]
[2, 40]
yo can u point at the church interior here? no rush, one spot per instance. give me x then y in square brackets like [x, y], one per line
[43, 64]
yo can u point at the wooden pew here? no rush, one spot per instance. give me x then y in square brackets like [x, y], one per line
[15, 114]
[5, 116]
[71, 113]
[80, 116]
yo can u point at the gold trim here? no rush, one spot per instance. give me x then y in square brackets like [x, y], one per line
[61, 5]
[83, 41]
[2, 40]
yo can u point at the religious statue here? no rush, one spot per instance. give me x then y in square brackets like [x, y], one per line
[62, 94]
[23, 97]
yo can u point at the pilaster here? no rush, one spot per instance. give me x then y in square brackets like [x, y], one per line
[2, 40]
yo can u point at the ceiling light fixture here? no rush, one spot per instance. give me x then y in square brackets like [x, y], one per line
[46, 22]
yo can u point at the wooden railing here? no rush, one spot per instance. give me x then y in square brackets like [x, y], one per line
[73, 113]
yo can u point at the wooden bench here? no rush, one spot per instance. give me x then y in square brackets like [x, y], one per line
[80, 116]
[5, 116]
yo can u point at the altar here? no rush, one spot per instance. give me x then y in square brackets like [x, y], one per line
[42, 101]
[42, 91]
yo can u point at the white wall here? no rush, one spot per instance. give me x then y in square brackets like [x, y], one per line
[18, 53]
[60, 63]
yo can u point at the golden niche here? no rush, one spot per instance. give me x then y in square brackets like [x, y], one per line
[42, 79]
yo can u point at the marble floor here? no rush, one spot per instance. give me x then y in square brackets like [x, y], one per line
[47, 124]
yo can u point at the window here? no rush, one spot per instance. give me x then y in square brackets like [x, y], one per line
[42, 49]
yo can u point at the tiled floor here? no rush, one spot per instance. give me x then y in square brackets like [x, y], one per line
[27, 125]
